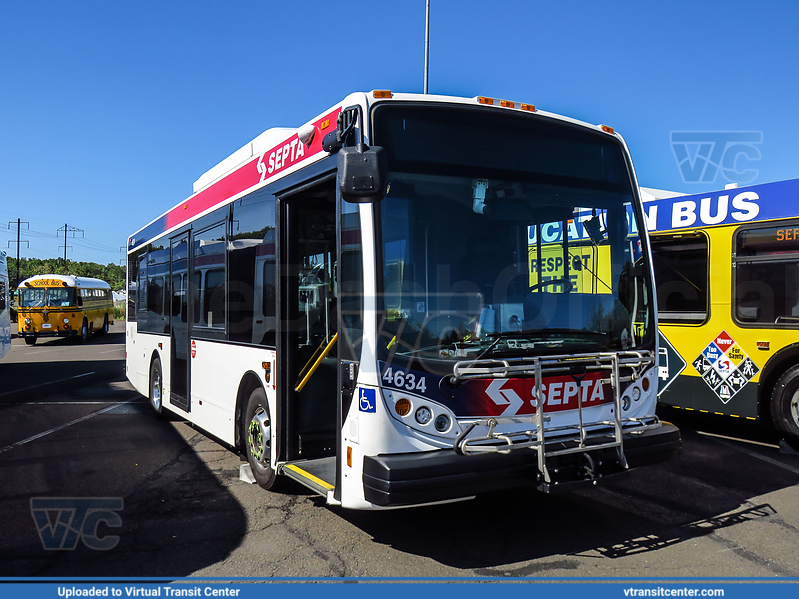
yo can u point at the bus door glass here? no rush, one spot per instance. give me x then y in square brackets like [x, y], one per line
[179, 322]
[309, 321]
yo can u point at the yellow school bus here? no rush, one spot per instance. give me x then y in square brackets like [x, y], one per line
[727, 278]
[63, 306]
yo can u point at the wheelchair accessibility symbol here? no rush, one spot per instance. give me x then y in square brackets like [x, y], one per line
[366, 400]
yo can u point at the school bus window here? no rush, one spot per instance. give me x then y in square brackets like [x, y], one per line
[767, 276]
[681, 278]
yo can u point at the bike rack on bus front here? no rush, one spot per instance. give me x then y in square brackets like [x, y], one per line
[577, 435]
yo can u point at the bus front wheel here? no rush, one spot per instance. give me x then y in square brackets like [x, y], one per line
[30, 340]
[84, 331]
[785, 404]
[157, 388]
[257, 435]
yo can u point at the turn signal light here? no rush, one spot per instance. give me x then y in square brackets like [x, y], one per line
[382, 93]
[402, 407]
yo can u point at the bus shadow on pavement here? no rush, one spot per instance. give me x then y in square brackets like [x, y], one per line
[708, 488]
[176, 516]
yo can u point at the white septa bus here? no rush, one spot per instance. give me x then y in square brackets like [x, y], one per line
[5, 307]
[409, 299]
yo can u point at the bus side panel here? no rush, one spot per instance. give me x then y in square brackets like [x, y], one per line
[140, 349]
[214, 389]
[692, 392]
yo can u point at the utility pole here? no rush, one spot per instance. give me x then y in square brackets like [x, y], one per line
[426, 44]
[18, 242]
[67, 229]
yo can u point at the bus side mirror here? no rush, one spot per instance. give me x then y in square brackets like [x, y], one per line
[362, 174]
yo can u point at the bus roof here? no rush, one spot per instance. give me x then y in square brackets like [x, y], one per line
[64, 281]
[755, 203]
[280, 151]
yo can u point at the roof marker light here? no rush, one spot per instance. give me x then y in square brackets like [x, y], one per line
[382, 93]
[607, 129]
[528, 107]
[507, 104]
[484, 100]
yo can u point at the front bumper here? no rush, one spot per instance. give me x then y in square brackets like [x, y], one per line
[414, 478]
[48, 333]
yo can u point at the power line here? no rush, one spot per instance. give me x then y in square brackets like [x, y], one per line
[66, 229]
[18, 242]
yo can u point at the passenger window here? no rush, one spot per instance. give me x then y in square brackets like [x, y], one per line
[681, 278]
[767, 275]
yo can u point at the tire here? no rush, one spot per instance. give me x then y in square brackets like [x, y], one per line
[156, 395]
[785, 404]
[257, 439]
[30, 340]
[104, 330]
[84, 332]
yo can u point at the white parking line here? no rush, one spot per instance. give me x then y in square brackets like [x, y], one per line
[77, 376]
[77, 403]
[61, 427]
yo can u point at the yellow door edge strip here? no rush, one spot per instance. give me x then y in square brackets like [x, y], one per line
[309, 476]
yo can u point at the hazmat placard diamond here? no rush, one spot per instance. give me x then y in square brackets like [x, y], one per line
[725, 367]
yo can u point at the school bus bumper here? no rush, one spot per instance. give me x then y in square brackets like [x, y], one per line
[414, 478]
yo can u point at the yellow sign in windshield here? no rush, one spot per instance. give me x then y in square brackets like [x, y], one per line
[588, 267]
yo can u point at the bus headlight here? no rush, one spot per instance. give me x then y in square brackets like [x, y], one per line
[27, 321]
[636, 394]
[442, 423]
[625, 403]
[66, 321]
[423, 415]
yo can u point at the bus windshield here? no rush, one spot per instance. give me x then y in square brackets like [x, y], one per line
[504, 234]
[41, 297]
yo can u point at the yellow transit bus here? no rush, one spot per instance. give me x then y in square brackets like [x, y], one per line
[63, 306]
[727, 278]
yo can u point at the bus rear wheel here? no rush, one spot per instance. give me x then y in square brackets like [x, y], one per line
[257, 435]
[785, 404]
[157, 388]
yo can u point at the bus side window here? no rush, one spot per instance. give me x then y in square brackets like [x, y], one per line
[210, 264]
[251, 270]
[766, 276]
[681, 277]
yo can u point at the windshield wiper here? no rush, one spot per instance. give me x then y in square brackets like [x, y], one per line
[542, 336]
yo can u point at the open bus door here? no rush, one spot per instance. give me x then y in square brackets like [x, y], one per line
[308, 390]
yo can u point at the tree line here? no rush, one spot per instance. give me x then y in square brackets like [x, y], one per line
[112, 274]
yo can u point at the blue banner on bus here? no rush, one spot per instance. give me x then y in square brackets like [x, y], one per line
[757, 202]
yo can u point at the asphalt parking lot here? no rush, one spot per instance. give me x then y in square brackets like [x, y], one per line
[72, 427]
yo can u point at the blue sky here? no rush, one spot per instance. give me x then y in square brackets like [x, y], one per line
[109, 111]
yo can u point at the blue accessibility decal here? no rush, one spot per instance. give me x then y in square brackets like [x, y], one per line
[366, 400]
